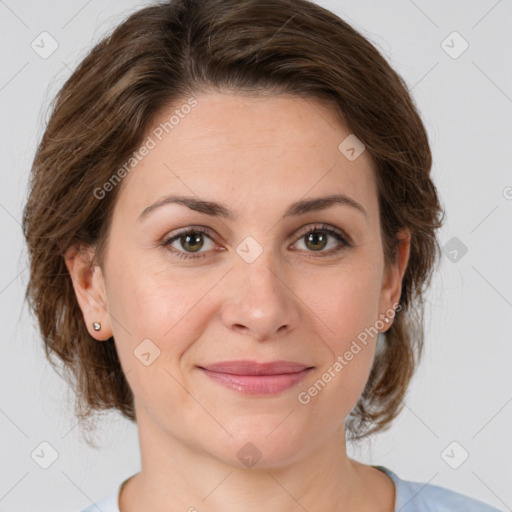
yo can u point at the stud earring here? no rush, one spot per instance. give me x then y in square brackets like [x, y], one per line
[96, 326]
[386, 320]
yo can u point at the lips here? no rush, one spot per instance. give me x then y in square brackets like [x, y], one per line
[251, 377]
[255, 368]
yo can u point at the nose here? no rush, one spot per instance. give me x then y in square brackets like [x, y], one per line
[259, 300]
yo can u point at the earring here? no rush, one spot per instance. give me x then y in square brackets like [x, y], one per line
[386, 320]
[96, 326]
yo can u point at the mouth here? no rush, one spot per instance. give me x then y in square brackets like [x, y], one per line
[251, 377]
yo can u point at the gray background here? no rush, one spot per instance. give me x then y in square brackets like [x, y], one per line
[462, 391]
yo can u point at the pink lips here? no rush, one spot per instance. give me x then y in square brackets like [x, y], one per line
[256, 378]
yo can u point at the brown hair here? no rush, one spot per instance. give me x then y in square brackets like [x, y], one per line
[170, 51]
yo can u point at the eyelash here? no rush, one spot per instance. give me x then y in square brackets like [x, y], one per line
[323, 228]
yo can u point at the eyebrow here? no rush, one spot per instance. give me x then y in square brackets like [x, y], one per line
[215, 209]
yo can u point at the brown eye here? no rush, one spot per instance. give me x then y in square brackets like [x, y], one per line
[193, 241]
[186, 243]
[316, 239]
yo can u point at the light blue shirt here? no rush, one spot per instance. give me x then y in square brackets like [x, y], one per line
[409, 497]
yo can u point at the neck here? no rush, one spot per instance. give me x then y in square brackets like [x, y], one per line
[175, 477]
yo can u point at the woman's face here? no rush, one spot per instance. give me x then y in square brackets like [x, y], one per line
[254, 286]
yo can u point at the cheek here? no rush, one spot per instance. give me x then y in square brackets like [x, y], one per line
[346, 301]
[346, 312]
[148, 301]
[155, 318]
[345, 305]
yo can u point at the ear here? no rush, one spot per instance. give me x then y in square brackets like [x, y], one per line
[393, 275]
[89, 286]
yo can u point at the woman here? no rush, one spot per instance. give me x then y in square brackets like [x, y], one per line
[231, 227]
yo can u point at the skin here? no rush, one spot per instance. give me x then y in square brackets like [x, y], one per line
[256, 155]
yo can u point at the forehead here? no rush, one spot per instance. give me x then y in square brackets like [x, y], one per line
[253, 151]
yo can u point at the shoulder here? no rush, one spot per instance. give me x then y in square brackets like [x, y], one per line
[107, 504]
[424, 497]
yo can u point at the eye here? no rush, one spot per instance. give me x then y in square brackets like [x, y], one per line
[190, 241]
[317, 238]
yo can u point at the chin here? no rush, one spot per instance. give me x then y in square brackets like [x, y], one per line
[259, 447]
